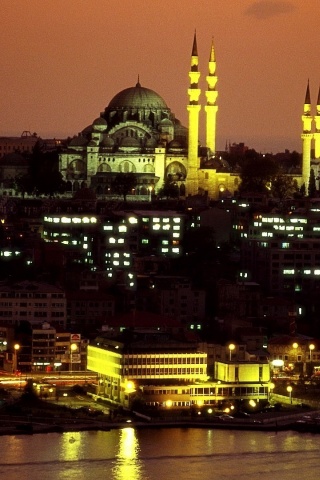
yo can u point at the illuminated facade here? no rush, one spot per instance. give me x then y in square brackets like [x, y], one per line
[109, 242]
[137, 132]
[282, 252]
[171, 374]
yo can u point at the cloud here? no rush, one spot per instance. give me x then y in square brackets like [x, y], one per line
[263, 9]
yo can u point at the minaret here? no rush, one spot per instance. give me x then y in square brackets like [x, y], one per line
[193, 134]
[306, 139]
[211, 108]
[317, 129]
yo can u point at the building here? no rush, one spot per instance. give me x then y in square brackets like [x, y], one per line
[137, 132]
[32, 302]
[167, 373]
[282, 250]
[109, 242]
[23, 144]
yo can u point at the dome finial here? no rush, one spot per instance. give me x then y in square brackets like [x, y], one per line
[138, 82]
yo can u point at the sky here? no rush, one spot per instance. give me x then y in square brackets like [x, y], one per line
[63, 61]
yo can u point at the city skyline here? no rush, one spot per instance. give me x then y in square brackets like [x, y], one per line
[64, 62]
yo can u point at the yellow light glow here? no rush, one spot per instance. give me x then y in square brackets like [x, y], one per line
[169, 403]
[295, 345]
[130, 386]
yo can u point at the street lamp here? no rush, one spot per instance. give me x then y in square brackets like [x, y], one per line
[289, 390]
[15, 357]
[129, 389]
[271, 387]
[311, 347]
[295, 347]
[231, 348]
[73, 348]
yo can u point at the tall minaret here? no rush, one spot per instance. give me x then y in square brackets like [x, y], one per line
[317, 130]
[193, 134]
[306, 139]
[211, 108]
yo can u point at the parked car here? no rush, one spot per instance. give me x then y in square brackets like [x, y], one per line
[225, 417]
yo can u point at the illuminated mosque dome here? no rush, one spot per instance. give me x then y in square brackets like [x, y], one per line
[137, 97]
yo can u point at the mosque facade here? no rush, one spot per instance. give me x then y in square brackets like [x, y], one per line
[138, 133]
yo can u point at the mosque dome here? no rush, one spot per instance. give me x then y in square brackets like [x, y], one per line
[108, 142]
[78, 141]
[137, 97]
[100, 124]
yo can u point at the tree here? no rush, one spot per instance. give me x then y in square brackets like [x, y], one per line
[169, 189]
[257, 174]
[43, 176]
[123, 184]
[24, 183]
[312, 189]
[283, 187]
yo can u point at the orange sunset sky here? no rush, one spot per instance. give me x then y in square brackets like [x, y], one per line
[63, 60]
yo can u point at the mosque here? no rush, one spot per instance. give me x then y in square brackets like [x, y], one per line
[138, 133]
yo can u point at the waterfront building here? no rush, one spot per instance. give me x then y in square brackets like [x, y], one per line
[168, 373]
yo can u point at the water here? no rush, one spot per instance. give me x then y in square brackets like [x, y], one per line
[168, 454]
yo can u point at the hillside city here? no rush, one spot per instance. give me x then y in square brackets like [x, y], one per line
[184, 299]
[178, 275]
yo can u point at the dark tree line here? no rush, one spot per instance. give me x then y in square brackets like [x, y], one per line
[43, 177]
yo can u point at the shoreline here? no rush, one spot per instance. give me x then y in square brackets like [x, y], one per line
[275, 423]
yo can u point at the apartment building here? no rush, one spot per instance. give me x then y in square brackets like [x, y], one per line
[33, 302]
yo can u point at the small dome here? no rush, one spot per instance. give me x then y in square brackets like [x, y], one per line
[107, 142]
[174, 144]
[166, 122]
[100, 125]
[151, 142]
[130, 142]
[78, 141]
[137, 97]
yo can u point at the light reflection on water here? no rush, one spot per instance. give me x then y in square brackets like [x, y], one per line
[157, 454]
[128, 464]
